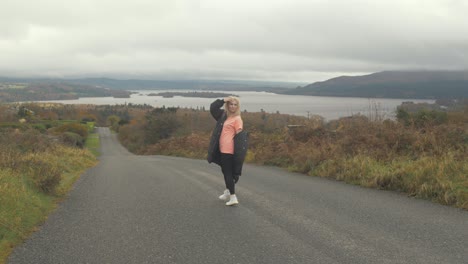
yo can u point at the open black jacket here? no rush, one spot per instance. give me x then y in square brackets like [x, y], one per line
[240, 140]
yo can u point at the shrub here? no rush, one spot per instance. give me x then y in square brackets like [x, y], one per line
[9, 156]
[114, 122]
[73, 139]
[29, 140]
[45, 177]
[191, 146]
[40, 169]
[403, 116]
[425, 118]
[422, 118]
[76, 128]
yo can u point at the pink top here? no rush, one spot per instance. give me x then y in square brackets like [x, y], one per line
[231, 127]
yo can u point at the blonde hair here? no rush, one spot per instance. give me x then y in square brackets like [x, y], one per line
[236, 99]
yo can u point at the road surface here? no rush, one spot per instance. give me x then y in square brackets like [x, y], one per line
[157, 209]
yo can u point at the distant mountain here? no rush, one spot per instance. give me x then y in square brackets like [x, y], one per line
[135, 84]
[139, 84]
[392, 84]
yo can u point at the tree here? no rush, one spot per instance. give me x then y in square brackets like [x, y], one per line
[403, 116]
[160, 124]
[113, 122]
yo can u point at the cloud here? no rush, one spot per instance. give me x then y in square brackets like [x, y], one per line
[293, 40]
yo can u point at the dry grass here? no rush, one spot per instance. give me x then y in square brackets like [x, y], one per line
[426, 160]
[35, 173]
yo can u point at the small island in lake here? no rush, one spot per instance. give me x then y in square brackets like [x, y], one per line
[192, 94]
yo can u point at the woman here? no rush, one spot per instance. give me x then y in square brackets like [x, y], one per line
[221, 150]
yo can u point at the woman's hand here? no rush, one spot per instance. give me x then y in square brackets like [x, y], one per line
[227, 99]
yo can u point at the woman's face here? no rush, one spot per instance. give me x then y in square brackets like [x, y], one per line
[232, 106]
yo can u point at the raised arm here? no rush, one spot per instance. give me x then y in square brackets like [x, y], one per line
[215, 108]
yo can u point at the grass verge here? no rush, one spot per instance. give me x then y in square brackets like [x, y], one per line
[439, 179]
[23, 206]
[92, 144]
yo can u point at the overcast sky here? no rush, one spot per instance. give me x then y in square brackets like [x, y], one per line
[274, 40]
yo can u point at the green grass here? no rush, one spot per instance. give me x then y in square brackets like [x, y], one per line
[92, 144]
[90, 126]
[23, 205]
[49, 123]
[23, 208]
[92, 141]
[11, 124]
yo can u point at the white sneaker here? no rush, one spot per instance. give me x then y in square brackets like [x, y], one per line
[232, 200]
[225, 195]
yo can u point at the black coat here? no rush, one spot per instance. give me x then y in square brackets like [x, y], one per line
[214, 155]
[241, 143]
[240, 140]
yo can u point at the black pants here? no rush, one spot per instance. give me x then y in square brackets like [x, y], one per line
[227, 167]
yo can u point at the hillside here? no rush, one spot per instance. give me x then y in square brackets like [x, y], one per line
[148, 84]
[53, 90]
[226, 85]
[392, 84]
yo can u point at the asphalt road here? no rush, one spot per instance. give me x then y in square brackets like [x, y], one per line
[156, 209]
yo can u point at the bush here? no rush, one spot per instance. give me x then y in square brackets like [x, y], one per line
[191, 146]
[29, 140]
[425, 118]
[422, 118]
[76, 128]
[73, 139]
[8, 156]
[40, 169]
[403, 116]
[45, 177]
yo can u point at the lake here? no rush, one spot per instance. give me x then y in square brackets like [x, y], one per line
[327, 107]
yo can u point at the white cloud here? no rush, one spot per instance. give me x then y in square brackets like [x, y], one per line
[274, 40]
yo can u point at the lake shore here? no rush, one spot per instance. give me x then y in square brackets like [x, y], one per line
[327, 107]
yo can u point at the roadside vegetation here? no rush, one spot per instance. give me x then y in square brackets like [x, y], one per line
[39, 162]
[422, 153]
